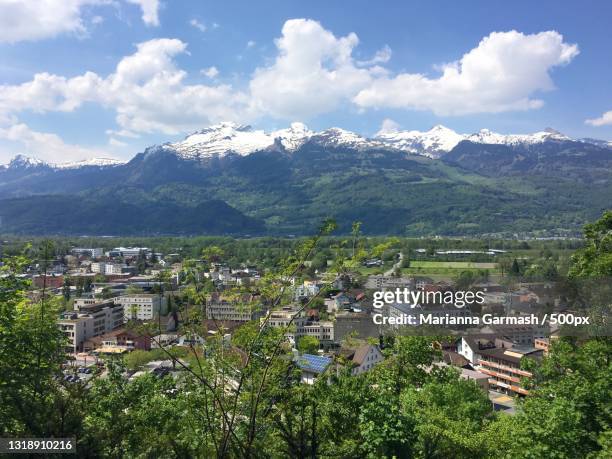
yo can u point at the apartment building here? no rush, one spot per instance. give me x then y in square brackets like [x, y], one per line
[90, 252]
[323, 330]
[239, 309]
[500, 360]
[88, 321]
[142, 306]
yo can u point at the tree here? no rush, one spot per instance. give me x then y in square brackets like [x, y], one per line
[66, 288]
[308, 344]
[33, 401]
[595, 259]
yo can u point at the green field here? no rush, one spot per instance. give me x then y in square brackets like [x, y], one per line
[452, 265]
[448, 270]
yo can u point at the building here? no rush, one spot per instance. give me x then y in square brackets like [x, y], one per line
[123, 339]
[364, 358]
[323, 330]
[76, 329]
[130, 252]
[519, 334]
[308, 289]
[88, 321]
[93, 252]
[109, 269]
[142, 306]
[312, 366]
[379, 282]
[500, 360]
[356, 324]
[242, 309]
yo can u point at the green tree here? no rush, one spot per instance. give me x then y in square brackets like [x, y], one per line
[595, 259]
[308, 344]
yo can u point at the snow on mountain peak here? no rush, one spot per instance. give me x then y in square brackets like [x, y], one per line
[433, 143]
[23, 161]
[92, 162]
[337, 137]
[294, 136]
[221, 139]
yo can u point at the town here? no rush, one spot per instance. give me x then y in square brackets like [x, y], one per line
[130, 299]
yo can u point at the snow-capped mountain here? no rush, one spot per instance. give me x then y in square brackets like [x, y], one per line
[336, 137]
[28, 162]
[93, 162]
[433, 143]
[488, 137]
[225, 138]
[24, 162]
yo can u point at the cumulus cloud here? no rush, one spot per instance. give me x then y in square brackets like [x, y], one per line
[210, 72]
[381, 56]
[502, 73]
[150, 11]
[47, 146]
[313, 72]
[604, 120]
[146, 90]
[39, 19]
[388, 126]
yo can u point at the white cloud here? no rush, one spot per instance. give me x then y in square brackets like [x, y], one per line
[210, 72]
[150, 11]
[500, 74]
[604, 120]
[198, 25]
[251, 44]
[312, 74]
[38, 19]
[388, 126]
[116, 143]
[381, 56]
[46, 146]
[146, 90]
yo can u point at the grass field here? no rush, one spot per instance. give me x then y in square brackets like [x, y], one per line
[448, 270]
[452, 264]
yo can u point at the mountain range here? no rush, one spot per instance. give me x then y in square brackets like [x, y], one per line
[232, 179]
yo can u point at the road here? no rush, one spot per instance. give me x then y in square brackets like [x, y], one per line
[396, 265]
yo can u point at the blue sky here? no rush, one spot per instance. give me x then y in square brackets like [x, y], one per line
[84, 78]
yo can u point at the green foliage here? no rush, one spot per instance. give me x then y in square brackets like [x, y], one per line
[595, 260]
[308, 345]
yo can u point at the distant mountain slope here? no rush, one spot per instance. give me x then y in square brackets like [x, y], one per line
[232, 179]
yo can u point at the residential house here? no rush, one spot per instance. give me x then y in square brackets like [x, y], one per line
[364, 358]
[312, 366]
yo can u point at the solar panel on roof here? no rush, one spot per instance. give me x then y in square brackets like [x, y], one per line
[316, 363]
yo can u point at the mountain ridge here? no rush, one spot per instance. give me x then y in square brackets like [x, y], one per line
[232, 138]
[543, 182]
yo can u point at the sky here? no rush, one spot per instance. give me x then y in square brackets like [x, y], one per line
[107, 78]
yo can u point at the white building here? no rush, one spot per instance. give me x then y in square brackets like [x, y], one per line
[93, 252]
[142, 306]
[243, 309]
[365, 358]
[89, 320]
